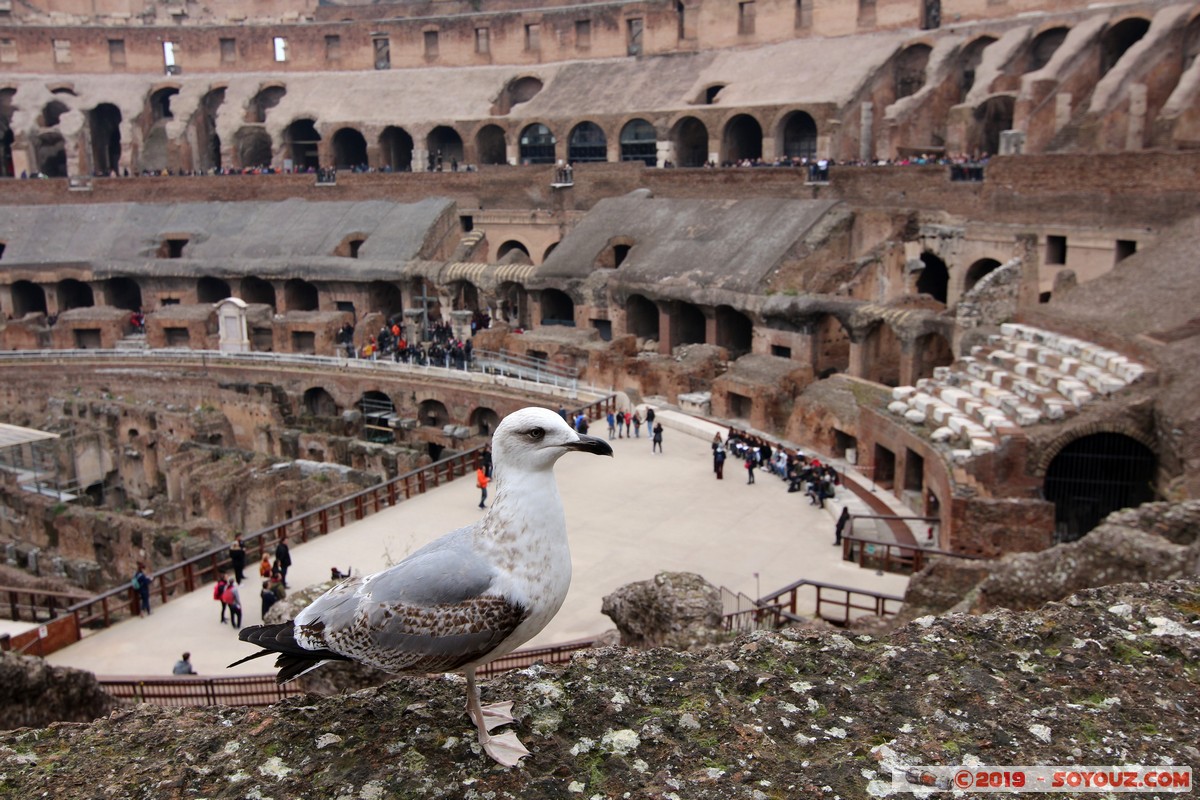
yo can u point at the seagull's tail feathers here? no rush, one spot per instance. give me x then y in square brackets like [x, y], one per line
[293, 658]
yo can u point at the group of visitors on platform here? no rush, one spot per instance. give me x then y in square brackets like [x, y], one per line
[800, 472]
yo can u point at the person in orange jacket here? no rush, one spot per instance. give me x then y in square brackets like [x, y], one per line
[481, 480]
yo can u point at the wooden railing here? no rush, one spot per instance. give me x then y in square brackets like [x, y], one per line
[904, 558]
[843, 599]
[37, 605]
[189, 690]
[519, 659]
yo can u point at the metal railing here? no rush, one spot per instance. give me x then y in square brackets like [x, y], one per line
[189, 690]
[538, 370]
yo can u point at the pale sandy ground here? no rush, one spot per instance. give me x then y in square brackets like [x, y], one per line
[629, 517]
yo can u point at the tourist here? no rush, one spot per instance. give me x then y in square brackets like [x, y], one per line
[264, 567]
[718, 447]
[481, 483]
[611, 425]
[283, 556]
[269, 598]
[219, 594]
[719, 463]
[141, 584]
[637, 425]
[628, 420]
[840, 528]
[237, 558]
[749, 464]
[232, 597]
[183, 666]
[656, 440]
[486, 458]
[649, 418]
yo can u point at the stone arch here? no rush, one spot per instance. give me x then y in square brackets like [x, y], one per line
[992, 117]
[263, 101]
[536, 144]
[302, 142]
[735, 331]
[929, 352]
[977, 271]
[688, 324]
[742, 139]
[300, 295]
[28, 298]
[444, 145]
[641, 317]
[513, 304]
[320, 403]
[1044, 46]
[1118, 38]
[464, 296]
[385, 298]
[933, 278]
[349, 148]
[831, 346]
[377, 409]
[882, 355]
[1095, 473]
[639, 142]
[614, 253]
[123, 293]
[491, 145]
[50, 153]
[587, 142]
[909, 71]
[513, 252]
[396, 149]
[557, 308]
[798, 135]
[159, 103]
[689, 140]
[52, 113]
[520, 89]
[549, 249]
[211, 290]
[104, 130]
[433, 414]
[256, 290]
[205, 124]
[483, 421]
[74, 294]
[253, 147]
[968, 62]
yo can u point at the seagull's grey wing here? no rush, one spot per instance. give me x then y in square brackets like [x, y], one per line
[430, 612]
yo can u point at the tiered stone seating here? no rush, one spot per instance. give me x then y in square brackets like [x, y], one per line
[1023, 376]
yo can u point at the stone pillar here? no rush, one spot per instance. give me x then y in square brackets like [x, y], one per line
[231, 326]
[513, 151]
[858, 358]
[460, 324]
[666, 152]
[665, 331]
[1135, 136]
[710, 328]
[1062, 110]
[866, 134]
[909, 362]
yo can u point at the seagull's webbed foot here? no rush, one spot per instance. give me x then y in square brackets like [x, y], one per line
[505, 749]
[496, 714]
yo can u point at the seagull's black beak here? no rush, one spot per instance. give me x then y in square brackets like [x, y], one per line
[590, 444]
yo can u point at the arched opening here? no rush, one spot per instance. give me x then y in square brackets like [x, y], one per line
[1191, 48]
[831, 348]
[977, 271]
[1119, 38]
[50, 151]
[209, 155]
[513, 306]
[513, 252]
[349, 149]
[104, 128]
[378, 411]
[490, 147]
[992, 117]
[160, 103]
[123, 293]
[74, 294]
[385, 298]
[536, 144]
[52, 113]
[320, 403]
[931, 351]
[518, 90]
[735, 331]
[211, 290]
[1094, 476]
[687, 325]
[882, 355]
[257, 290]
[396, 149]
[641, 317]
[639, 142]
[742, 139]
[799, 135]
[433, 414]
[464, 296]
[6, 134]
[587, 142]
[300, 295]
[483, 421]
[614, 253]
[445, 146]
[557, 308]
[934, 278]
[1044, 46]
[689, 139]
[253, 147]
[550, 249]
[968, 61]
[910, 69]
[27, 298]
[267, 98]
[301, 141]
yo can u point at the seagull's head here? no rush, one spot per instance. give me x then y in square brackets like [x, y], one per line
[532, 439]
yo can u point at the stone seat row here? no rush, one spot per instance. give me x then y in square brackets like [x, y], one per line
[1021, 377]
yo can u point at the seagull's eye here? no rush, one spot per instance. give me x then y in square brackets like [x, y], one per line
[537, 434]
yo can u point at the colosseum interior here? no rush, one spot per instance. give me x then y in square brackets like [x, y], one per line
[952, 241]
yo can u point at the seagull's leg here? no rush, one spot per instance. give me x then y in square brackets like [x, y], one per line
[505, 748]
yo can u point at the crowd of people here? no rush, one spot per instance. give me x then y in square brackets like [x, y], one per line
[801, 472]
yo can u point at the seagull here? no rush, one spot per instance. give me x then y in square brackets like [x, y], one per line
[463, 600]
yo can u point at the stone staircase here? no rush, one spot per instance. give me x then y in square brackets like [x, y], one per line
[132, 341]
[1023, 376]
